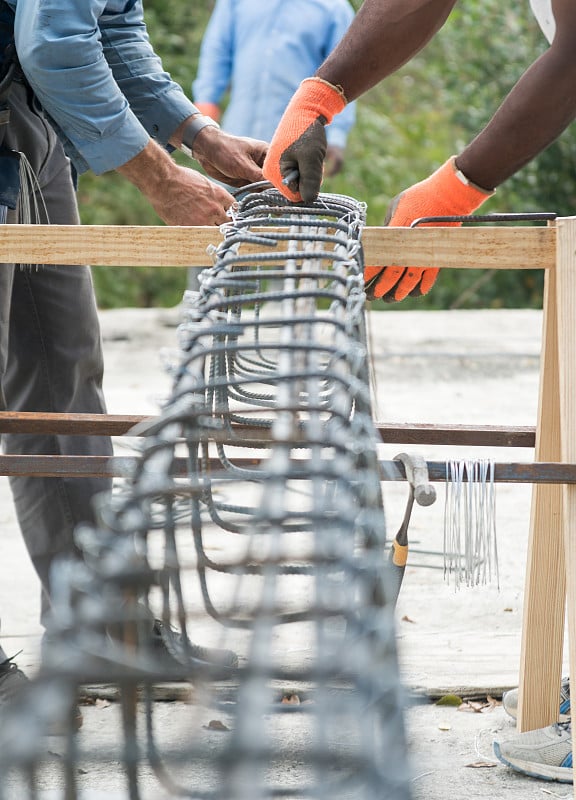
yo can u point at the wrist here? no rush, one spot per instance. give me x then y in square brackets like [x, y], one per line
[326, 99]
[466, 180]
[462, 194]
[190, 130]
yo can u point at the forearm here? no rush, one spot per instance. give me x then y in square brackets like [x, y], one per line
[534, 114]
[150, 171]
[384, 35]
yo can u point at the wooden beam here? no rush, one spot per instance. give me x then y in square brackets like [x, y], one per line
[161, 246]
[545, 584]
[390, 432]
[566, 304]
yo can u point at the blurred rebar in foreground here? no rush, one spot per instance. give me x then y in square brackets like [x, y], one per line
[271, 543]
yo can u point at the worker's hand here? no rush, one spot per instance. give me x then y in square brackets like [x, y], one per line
[334, 160]
[235, 160]
[298, 146]
[447, 192]
[189, 198]
[179, 195]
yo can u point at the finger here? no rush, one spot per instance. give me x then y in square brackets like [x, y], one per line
[388, 280]
[371, 277]
[309, 187]
[391, 213]
[222, 195]
[291, 179]
[408, 282]
[427, 282]
[311, 150]
[275, 171]
[259, 154]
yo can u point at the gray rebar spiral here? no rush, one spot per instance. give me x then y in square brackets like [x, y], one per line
[271, 542]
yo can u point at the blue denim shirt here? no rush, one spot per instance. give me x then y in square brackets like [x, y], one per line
[93, 69]
[261, 50]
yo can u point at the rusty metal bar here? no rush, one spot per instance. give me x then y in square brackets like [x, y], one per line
[390, 432]
[122, 466]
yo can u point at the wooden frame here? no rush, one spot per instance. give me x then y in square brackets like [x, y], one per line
[552, 542]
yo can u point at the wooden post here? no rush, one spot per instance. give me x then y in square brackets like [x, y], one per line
[545, 586]
[566, 301]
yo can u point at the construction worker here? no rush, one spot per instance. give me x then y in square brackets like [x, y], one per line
[82, 88]
[260, 56]
[385, 35]
[382, 37]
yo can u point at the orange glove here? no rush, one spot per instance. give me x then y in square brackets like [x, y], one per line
[209, 110]
[446, 193]
[298, 146]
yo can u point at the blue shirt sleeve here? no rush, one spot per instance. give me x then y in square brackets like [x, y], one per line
[93, 69]
[216, 56]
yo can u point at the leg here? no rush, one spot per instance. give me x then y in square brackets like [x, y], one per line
[54, 358]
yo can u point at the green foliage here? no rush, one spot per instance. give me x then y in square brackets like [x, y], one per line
[407, 126]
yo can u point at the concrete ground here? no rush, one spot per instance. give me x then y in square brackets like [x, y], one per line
[437, 367]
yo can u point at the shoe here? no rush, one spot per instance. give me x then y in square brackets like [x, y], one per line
[510, 701]
[169, 641]
[544, 753]
[12, 680]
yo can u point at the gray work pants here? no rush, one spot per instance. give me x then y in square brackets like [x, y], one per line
[50, 353]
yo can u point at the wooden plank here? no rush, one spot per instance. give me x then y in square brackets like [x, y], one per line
[462, 248]
[544, 594]
[566, 303]
[490, 247]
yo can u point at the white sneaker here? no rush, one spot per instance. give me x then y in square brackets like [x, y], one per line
[545, 753]
[510, 701]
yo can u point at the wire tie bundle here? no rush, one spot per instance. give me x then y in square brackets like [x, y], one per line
[470, 545]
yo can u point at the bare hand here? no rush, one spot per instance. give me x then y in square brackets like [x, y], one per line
[189, 198]
[235, 160]
[179, 195]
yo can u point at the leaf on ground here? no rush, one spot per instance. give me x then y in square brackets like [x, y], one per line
[450, 700]
[474, 706]
[479, 706]
[406, 618]
[444, 727]
[216, 725]
[482, 764]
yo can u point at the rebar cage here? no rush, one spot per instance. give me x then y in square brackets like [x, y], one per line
[269, 543]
